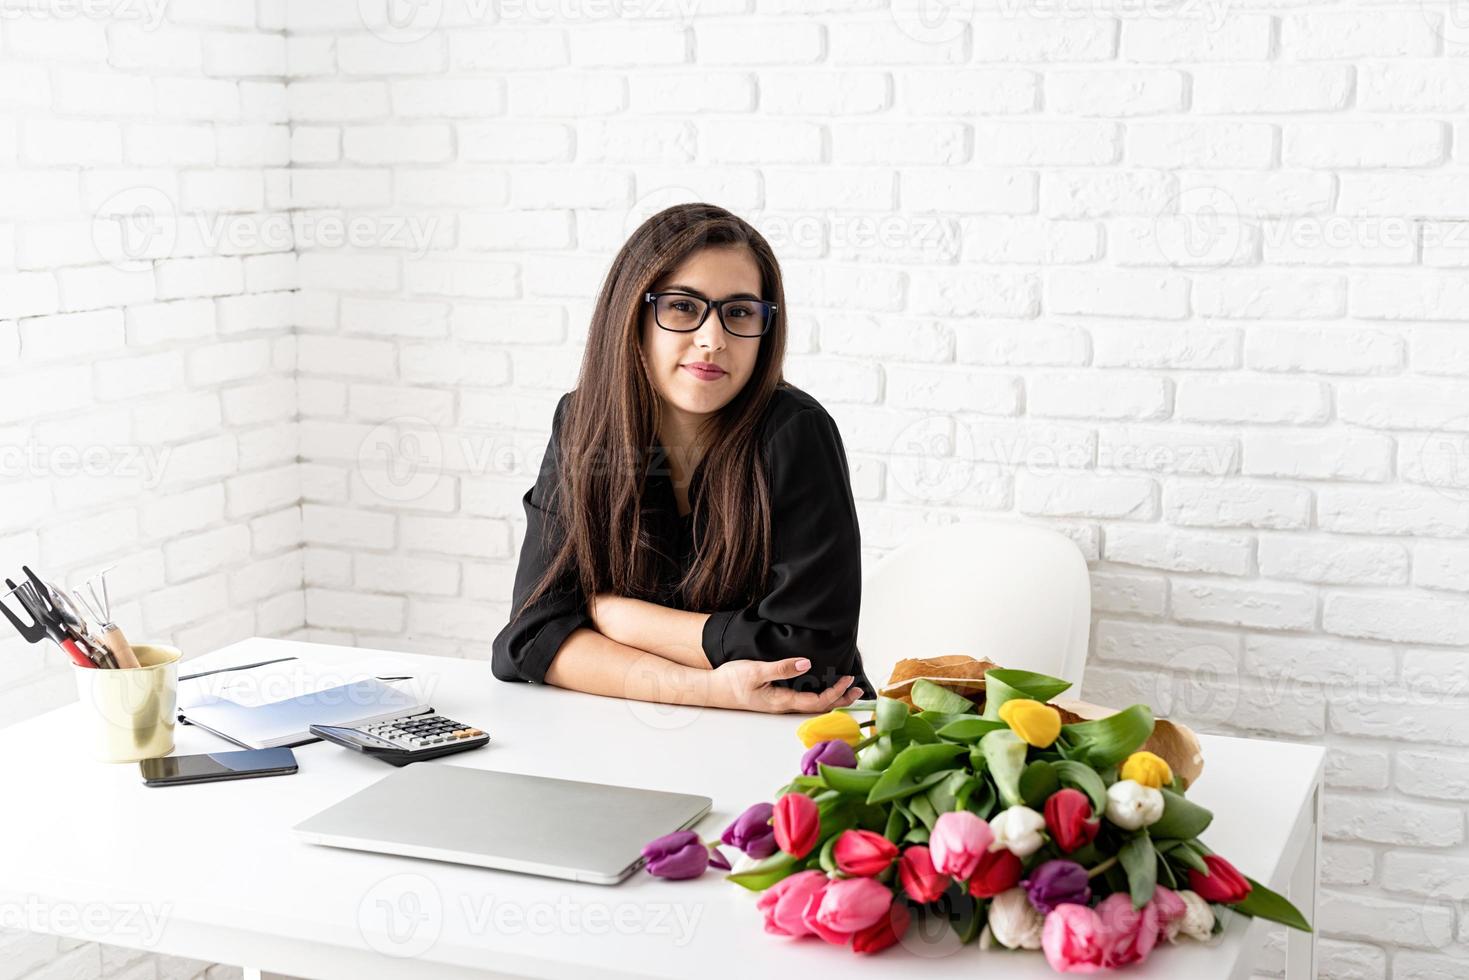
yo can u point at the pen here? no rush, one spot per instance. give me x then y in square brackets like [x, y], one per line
[221, 670]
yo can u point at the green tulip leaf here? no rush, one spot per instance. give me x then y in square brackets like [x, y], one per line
[1004, 754]
[897, 825]
[923, 810]
[871, 817]
[879, 755]
[918, 835]
[967, 916]
[808, 782]
[1166, 878]
[763, 874]
[1262, 903]
[891, 714]
[911, 767]
[980, 801]
[1141, 865]
[970, 729]
[1001, 685]
[828, 860]
[931, 697]
[1080, 776]
[854, 782]
[1107, 741]
[1037, 782]
[858, 707]
[945, 795]
[919, 729]
[1116, 880]
[938, 719]
[1180, 853]
[1182, 818]
[826, 799]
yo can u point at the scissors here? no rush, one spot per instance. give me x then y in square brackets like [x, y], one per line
[46, 620]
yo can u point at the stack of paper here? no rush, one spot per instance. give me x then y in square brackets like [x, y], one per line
[275, 704]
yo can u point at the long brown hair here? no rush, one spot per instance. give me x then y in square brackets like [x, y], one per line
[610, 427]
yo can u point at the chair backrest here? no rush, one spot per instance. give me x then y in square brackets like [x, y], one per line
[1014, 593]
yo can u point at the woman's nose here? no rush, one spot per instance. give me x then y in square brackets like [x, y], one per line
[710, 335]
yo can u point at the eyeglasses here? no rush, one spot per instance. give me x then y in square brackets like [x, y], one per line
[685, 313]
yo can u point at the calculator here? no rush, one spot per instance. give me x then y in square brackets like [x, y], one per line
[409, 738]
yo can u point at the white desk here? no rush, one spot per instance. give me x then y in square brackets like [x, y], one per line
[211, 870]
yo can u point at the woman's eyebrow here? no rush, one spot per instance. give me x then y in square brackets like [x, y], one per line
[678, 287]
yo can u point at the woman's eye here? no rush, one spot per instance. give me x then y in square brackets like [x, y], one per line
[683, 307]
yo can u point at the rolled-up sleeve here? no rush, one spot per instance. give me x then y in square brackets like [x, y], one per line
[815, 593]
[524, 649]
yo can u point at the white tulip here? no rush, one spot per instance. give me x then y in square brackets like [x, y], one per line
[1018, 830]
[1198, 921]
[1014, 922]
[1133, 806]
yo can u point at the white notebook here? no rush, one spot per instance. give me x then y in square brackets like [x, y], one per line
[274, 704]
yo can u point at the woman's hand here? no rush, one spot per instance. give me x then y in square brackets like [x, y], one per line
[747, 685]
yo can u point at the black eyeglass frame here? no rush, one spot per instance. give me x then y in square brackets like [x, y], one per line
[715, 304]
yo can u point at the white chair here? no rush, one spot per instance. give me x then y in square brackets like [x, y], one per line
[1016, 594]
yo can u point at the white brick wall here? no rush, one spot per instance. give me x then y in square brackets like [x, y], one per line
[174, 375]
[1184, 281]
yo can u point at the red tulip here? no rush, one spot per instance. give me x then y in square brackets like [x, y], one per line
[919, 878]
[1069, 819]
[797, 824]
[863, 853]
[998, 871]
[884, 932]
[1223, 883]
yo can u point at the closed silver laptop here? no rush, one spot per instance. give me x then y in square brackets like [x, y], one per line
[558, 828]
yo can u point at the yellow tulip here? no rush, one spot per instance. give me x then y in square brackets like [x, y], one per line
[1147, 769]
[1036, 723]
[832, 725]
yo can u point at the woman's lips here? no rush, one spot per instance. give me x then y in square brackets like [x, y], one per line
[704, 372]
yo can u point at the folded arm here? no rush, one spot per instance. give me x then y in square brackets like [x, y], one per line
[673, 634]
[595, 664]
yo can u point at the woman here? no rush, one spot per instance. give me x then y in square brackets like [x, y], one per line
[683, 473]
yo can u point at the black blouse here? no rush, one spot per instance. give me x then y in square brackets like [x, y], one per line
[812, 605]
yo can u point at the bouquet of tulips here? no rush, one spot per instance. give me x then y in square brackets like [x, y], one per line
[1023, 831]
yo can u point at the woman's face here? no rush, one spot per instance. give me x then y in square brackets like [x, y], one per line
[714, 273]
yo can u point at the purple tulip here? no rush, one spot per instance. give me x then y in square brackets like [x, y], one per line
[718, 860]
[1054, 883]
[751, 832]
[677, 855]
[832, 753]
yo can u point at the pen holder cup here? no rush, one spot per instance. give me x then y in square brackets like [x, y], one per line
[130, 712]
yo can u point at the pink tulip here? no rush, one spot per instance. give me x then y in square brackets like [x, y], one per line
[958, 841]
[1171, 911]
[784, 903]
[1072, 939]
[1128, 934]
[846, 906]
